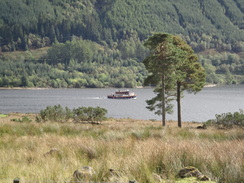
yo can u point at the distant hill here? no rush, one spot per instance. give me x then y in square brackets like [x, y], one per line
[204, 24]
[90, 38]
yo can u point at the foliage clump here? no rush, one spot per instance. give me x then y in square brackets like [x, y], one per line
[59, 114]
[55, 113]
[89, 114]
[228, 120]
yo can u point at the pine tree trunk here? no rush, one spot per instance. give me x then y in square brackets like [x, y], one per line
[163, 101]
[179, 104]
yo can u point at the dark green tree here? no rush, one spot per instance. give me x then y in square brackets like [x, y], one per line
[173, 68]
[160, 66]
[189, 73]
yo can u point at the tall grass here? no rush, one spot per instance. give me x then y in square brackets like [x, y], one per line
[135, 150]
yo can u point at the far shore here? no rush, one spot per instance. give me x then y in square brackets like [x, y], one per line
[39, 88]
[23, 88]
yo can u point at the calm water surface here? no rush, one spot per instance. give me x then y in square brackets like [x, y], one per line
[199, 107]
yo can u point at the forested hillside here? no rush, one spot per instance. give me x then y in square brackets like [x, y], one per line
[116, 29]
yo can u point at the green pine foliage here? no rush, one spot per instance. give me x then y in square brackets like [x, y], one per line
[173, 67]
[211, 21]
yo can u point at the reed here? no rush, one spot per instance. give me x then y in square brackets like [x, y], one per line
[136, 150]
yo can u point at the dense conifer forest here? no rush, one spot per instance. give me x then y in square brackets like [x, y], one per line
[99, 43]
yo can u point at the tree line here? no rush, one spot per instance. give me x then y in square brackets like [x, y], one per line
[76, 64]
[84, 63]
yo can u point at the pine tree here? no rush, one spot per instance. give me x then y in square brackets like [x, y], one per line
[173, 68]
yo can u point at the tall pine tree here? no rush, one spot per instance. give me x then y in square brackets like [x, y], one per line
[173, 68]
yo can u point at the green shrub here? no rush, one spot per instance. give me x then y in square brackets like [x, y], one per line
[55, 113]
[58, 114]
[89, 114]
[228, 120]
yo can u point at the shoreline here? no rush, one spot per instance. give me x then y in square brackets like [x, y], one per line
[125, 121]
[23, 88]
[38, 88]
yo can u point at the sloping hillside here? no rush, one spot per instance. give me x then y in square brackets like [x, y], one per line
[99, 43]
[212, 23]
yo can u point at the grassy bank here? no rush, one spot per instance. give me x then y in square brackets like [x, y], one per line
[136, 150]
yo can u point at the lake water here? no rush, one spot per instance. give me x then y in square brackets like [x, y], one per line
[200, 107]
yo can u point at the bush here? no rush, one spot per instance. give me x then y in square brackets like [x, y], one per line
[228, 120]
[55, 113]
[89, 114]
[58, 114]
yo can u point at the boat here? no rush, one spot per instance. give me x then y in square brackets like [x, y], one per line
[122, 94]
